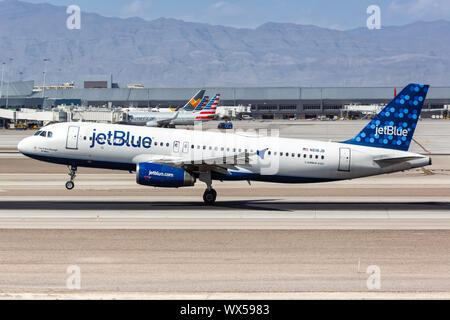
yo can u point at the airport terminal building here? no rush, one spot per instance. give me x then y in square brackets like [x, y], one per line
[265, 102]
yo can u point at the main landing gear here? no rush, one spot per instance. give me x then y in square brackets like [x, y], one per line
[210, 195]
[72, 174]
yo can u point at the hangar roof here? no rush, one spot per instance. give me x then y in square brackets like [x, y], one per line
[238, 93]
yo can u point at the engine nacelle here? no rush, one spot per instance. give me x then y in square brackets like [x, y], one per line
[161, 175]
[151, 124]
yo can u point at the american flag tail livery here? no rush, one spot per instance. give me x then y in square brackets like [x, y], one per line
[210, 110]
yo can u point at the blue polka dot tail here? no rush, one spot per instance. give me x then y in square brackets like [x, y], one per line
[394, 126]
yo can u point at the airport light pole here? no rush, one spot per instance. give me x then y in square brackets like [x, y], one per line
[45, 72]
[9, 80]
[1, 85]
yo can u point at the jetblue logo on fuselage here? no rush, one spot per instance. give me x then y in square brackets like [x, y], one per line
[391, 131]
[120, 138]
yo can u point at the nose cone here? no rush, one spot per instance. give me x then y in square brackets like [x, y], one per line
[24, 145]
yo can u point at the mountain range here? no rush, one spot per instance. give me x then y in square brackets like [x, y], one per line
[173, 53]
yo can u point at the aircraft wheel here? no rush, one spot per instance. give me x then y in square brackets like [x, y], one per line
[70, 185]
[209, 197]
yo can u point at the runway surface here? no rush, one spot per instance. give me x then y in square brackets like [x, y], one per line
[261, 241]
[224, 260]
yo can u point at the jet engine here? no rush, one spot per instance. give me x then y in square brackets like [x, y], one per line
[161, 175]
[151, 124]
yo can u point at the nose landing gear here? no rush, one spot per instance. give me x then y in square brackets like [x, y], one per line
[70, 185]
[72, 174]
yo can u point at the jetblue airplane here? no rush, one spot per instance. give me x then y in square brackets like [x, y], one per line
[178, 158]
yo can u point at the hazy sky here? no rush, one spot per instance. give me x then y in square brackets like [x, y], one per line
[337, 14]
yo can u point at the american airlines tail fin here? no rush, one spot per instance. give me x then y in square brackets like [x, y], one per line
[394, 126]
[194, 102]
[202, 104]
[209, 111]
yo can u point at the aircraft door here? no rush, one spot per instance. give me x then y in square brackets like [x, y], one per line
[72, 138]
[344, 159]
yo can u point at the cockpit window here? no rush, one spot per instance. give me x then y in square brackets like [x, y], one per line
[42, 133]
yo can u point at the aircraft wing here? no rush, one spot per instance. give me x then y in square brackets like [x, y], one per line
[193, 164]
[166, 121]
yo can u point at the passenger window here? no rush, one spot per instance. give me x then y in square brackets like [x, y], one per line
[293, 154]
[304, 156]
[310, 156]
[281, 153]
[298, 155]
[323, 157]
[317, 157]
[176, 146]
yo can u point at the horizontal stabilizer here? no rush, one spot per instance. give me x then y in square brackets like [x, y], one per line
[387, 160]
